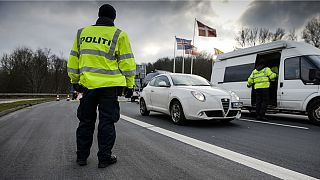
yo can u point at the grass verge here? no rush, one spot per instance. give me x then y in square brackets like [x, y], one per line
[23, 103]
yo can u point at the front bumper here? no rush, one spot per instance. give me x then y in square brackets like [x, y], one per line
[210, 109]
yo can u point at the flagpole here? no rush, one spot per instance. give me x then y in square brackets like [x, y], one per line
[174, 55]
[183, 48]
[194, 30]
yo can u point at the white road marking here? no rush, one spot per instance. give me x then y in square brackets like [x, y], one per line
[277, 124]
[257, 164]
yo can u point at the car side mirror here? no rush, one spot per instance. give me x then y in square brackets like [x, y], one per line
[314, 74]
[163, 84]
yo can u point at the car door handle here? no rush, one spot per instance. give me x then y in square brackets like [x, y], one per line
[281, 84]
[152, 90]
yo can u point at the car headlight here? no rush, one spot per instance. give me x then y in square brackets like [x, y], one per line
[198, 95]
[234, 95]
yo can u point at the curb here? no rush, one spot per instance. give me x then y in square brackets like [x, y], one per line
[8, 111]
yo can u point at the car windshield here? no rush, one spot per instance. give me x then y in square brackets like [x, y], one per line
[189, 80]
[316, 60]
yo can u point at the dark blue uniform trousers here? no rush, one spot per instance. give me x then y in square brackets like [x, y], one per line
[262, 98]
[107, 102]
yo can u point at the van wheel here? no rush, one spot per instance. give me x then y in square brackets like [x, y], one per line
[314, 112]
[176, 113]
[143, 108]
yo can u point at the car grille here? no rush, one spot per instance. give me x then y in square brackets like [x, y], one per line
[232, 113]
[215, 113]
[225, 104]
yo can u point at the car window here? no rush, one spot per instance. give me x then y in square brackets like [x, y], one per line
[189, 80]
[152, 82]
[160, 79]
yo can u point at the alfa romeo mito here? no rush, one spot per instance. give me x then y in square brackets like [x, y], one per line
[189, 97]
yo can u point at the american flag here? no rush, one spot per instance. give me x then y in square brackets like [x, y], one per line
[183, 43]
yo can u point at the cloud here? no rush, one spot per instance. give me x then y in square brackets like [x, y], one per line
[54, 24]
[285, 14]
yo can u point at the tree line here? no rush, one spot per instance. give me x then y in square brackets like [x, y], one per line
[28, 71]
[202, 65]
[247, 37]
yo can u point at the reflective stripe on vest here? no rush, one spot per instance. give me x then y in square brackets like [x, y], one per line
[98, 70]
[72, 70]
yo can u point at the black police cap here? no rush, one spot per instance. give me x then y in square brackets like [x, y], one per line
[107, 10]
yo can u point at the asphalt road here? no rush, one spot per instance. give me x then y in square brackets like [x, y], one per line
[39, 143]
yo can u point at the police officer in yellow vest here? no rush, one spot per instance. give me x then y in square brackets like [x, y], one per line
[101, 65]
[260, 79]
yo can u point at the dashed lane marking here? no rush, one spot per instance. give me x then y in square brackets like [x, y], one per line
[271, 123]
[248, 161]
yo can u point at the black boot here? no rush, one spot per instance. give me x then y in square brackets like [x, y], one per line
[81, 162]
[104, 164]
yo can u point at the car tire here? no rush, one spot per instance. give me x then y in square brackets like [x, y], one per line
[314, 112]
[143, 108]
[176, 112]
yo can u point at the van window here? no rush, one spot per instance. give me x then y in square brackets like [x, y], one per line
[238, 73]
[292, 68]
[306, 65]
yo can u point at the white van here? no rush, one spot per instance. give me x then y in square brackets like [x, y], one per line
[296, 89]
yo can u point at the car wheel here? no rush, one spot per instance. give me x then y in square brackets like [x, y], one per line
[314, 112]
[176, 113]
[143, 108]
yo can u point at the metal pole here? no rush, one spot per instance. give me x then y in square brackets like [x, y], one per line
[174, 55]
[194, 30]
[183, 59]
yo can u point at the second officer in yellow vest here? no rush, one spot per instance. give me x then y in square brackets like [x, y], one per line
[101, 64]
[260, 79]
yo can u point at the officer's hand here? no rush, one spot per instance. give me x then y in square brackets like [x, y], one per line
[78, 88]
[128, 93]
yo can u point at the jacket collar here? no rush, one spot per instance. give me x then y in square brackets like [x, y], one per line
[104, 21]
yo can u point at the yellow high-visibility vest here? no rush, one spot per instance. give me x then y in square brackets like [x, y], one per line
[261, 79]
[101, 56]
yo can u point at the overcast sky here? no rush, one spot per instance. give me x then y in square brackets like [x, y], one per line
[151, 25]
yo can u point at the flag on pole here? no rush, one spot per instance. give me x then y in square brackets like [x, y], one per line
[217, 51]
[193, 51]
[183, 43]
[205, 30]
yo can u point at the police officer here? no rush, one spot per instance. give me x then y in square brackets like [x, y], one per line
[101, 64]
[260, 79]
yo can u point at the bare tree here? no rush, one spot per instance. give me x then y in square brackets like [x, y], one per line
[279, 34]
[242, 37]
[292, 35]
[311, 33]
[264, 35]
[253, 37]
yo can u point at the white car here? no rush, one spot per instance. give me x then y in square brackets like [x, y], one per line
[188, 97]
